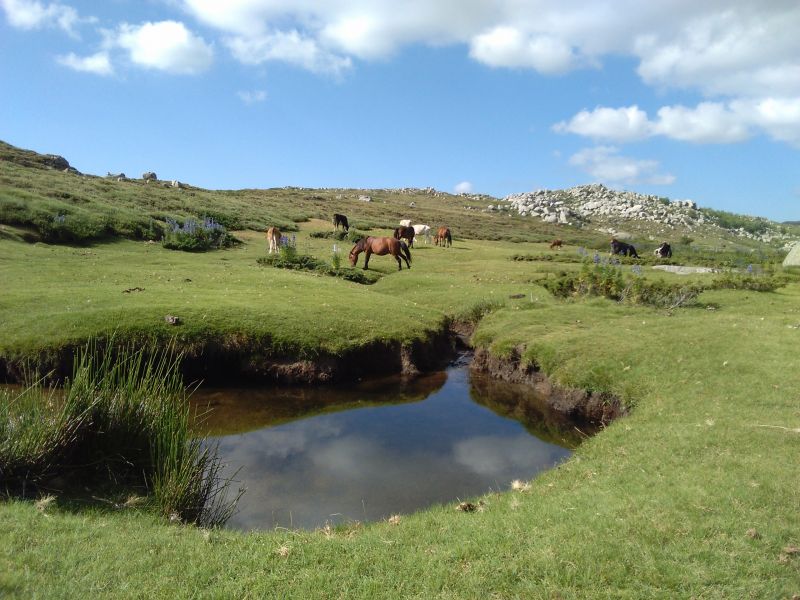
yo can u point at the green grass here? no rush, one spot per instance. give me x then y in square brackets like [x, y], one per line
[658, 504]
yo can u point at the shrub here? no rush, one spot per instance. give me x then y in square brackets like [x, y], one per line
[303, 262]
[194, 236]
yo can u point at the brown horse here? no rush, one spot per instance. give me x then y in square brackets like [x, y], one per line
[273, 239]
[443, 237]
[405, 233]
[381, 246]
[556, 244]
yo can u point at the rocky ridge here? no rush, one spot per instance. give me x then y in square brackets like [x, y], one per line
[595, 204]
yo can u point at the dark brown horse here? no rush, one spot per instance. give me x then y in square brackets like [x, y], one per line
[405, 233]
[340, 220]
[381, 246]
[556, 244]
[443, 237]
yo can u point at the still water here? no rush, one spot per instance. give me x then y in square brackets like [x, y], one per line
[311, 456]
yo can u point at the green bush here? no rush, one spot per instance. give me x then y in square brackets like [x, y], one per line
[193, 236]
[303, 262]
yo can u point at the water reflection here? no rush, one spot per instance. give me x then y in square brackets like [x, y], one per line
[364, 452]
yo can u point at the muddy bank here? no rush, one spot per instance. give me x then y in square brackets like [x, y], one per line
[575, 404]
[225, 362]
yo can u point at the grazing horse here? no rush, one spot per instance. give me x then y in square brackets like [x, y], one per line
[273, 239]
[405, 223]
[556, 244]
[664, 250]
[423, 230]
[443, 237]
[340, 220]
[622, 248]
[405, 233]
[381, 246]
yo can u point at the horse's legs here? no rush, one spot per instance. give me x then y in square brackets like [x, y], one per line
[366, 258]
[399, 264]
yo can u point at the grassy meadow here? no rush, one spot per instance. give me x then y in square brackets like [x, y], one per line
[693, 495]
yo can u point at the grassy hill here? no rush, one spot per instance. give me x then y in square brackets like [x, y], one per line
[693, 495]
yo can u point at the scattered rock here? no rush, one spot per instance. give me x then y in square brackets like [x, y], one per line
[172, 320]
[133, 289]
[469, 506]
[753, 534]
[364, 198]
[117, 176]
[149, 176]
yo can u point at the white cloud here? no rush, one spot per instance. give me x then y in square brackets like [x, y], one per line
[252, 97]
[708, 122]
[606, 164]
[464, 187]
[509, 47]
[165, 45]
[99, 63]
[291, 47]
[31, 14]
[616, 124]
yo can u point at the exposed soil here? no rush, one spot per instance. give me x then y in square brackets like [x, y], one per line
[576, 404]
[224, 364]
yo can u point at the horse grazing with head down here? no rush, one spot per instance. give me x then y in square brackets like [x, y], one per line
[405, 233]
[273, 239]
[556, 244]
[381, 246]
[622, 248]
[340, 220]
[422, 230]
[443, 237]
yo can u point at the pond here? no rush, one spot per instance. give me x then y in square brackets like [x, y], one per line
[363, 452]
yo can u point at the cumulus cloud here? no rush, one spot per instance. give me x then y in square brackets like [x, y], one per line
[509, 47]
[606, 164]
[166, 46]
[98, 63]
[288, 46]
[615, 124]
[464, 187]
[252, 97]
[706, 123]
[31, 14]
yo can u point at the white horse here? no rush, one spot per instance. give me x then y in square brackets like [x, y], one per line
[424, 230]
[405, 223]
[274, 239]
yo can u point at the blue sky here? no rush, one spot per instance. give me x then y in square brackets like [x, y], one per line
[676, 98]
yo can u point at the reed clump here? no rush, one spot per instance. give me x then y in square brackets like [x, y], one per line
[122, 419]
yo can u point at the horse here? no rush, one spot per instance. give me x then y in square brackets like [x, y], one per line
[556, 244]
[422, 230]
[406, 233]
[443, 237]
[381, 246]
[340, 220]
[273, 239]
[663, 251]
[622, 248]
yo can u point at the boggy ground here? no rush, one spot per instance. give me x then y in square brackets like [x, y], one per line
[693, 494]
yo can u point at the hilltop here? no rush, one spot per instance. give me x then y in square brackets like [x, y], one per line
[609, 210]
[56, 203]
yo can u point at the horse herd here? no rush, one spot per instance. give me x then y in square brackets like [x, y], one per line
[625, 249]
[398, 245]
[403, 239]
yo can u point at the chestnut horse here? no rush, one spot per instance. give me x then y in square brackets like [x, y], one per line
[443, 237]
[273, 239]
[381, 246]
[556, 244]
[405, 233]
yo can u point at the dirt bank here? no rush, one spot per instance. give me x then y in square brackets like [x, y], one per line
[579, 405]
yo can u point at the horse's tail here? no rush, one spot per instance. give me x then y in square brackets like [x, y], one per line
[406, 251]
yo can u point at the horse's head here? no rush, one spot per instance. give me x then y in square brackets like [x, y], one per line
[355, 251]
